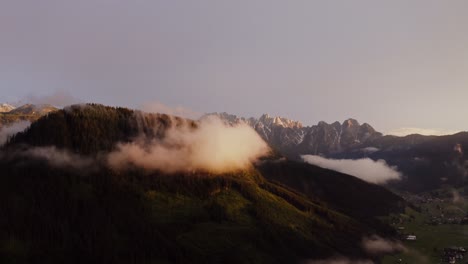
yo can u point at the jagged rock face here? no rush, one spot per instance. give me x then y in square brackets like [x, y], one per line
[279, 121]
[326, 138]
[323, 138]
[279, 132]
[290, 136]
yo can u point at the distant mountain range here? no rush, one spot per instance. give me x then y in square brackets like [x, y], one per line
[28, 112]
[427, 162]
[32, 109]
[291, 137]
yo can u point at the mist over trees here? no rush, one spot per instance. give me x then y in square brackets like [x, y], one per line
[65, 209]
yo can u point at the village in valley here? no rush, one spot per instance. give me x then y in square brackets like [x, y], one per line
[434, 228]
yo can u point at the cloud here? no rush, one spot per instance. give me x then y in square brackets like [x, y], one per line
[212, 145]
[376, 245]
[157, 107]
[59, 158]
[404, 131]
[339, 260]
[370, 150]
[457, 198]
[11, 129]
[377, 172]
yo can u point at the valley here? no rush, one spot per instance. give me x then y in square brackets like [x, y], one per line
[439, 222]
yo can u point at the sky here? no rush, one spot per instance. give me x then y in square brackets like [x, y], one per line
[397, 65]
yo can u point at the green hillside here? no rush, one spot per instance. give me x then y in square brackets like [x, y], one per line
[94, 214]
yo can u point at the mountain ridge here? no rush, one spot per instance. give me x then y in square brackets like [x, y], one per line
[26, 112]
[197, 216]
[349, 140]
[323, 138]
[426, 162]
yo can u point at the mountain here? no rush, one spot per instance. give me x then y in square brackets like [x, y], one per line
[6, 108]
[292, 138]
[27, 112]
[325, 139]
[426, 162]
[31, 109]
[277, 211]
[279, 132]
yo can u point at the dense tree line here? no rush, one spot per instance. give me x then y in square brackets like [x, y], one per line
[51, 215]
[65, 215]
[92, 128]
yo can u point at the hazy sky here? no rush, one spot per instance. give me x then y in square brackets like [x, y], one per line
[392, 63]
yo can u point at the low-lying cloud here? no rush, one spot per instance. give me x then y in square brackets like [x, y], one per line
[378, 172]
[213, 146]
[376, 245]
[457, 198]
[54, 157]
[59, 158]
[339, 260]
[370, 150]
[11, 129]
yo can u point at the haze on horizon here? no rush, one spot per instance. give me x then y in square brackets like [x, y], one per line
[395, 64]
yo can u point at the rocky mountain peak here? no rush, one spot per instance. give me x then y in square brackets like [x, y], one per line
[279, 121]
[350, 123]
[4, 108]
[231, 119]
[368, 128]
[31, 109]
[322, 123]
[286, 134]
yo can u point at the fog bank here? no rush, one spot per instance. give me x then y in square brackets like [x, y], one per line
[378, 172]
[213, 146]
